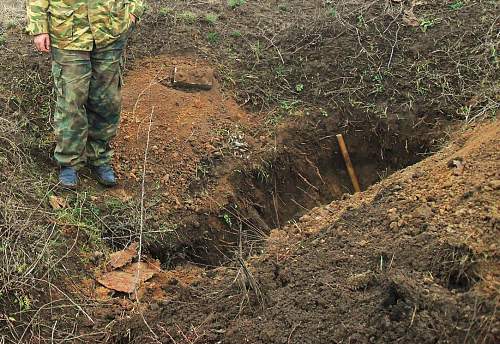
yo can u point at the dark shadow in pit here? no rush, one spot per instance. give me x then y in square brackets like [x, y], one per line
[307, 171]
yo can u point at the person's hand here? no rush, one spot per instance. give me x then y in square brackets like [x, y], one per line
[133, 18]
[42, 42]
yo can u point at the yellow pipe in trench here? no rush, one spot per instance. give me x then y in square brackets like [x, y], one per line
[348, 163]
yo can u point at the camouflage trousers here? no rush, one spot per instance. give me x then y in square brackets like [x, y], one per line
[87, 114]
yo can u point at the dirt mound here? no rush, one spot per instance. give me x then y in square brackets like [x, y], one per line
[187, 129]
[215, 172]
[415, 258]
[229, 192]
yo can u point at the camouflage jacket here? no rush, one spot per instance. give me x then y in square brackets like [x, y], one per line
[77, 24]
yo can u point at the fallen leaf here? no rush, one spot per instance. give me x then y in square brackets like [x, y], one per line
[410, 19]
[129, 279]
[57, 202]
[120, 281]
[123, 257]
[146, 269]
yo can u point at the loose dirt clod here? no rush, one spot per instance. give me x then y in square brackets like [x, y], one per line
[193, 78]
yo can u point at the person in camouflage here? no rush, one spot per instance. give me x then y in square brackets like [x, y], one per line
[86, 39]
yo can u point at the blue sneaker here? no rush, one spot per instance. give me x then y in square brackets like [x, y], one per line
[105, 175]
[68, 177]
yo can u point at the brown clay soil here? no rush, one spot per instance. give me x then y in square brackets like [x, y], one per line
[187, 129]
[250, 232]
[414, 259]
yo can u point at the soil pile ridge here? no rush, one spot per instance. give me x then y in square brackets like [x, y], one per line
[414, 258]
[187, 129]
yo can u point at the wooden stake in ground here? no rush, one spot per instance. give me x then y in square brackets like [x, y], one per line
[348, 163]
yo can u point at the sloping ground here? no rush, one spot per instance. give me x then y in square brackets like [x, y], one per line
[188, 129]
[415, 259]
[213, 167]
[379, 64]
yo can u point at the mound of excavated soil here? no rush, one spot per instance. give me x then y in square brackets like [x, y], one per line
[187, 128]
[213, 169]
[413, 259]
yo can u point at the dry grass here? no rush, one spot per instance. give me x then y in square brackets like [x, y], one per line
[377, 65]
[11, 12]
[33, 252]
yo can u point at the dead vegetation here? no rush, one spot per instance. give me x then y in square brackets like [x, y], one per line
[398, 64]
[12, 13]
[411, 59]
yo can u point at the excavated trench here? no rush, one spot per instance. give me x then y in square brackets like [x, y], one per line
[232, 205]
[307, 171]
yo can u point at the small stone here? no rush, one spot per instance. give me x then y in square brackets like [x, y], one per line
[396, 187]
[360, 281]
[423, 211]
[305, 218]
[447, 185]
[458, 165]
[468, 194]
[417, 174]
[494, 184]
[393, 217]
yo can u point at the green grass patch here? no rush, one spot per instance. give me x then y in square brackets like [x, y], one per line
[211, 18]
[283, 7]
[187, 17]
[165, 11]
[235, 3]
[426, 24]
[236, 34]
[213, 37]
[456, 5]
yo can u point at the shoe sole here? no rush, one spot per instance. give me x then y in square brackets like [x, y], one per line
[105, 183]
[68, 186]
